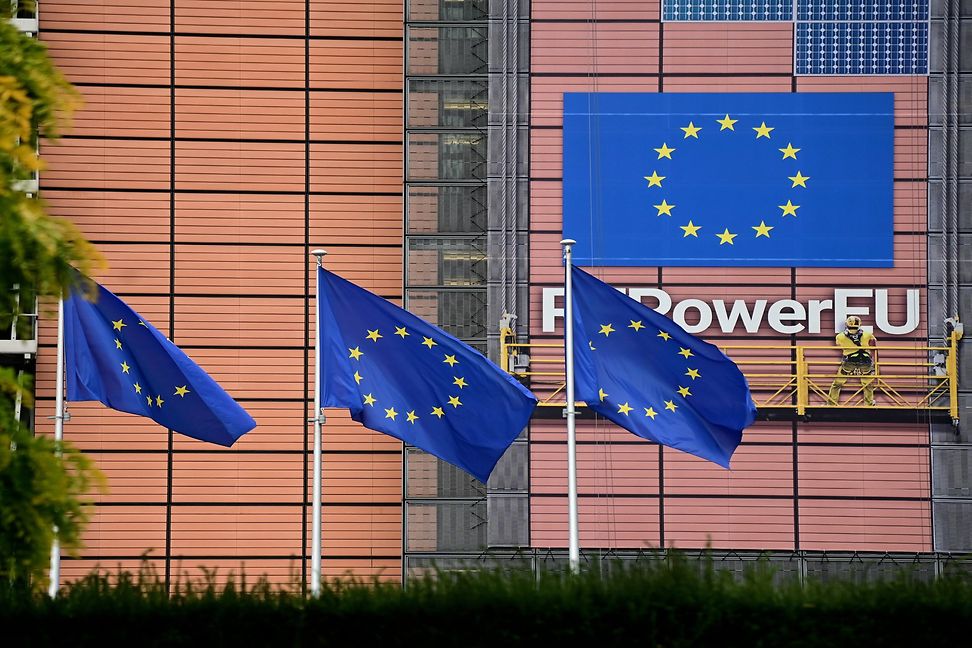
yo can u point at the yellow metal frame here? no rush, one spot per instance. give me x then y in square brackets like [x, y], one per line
[796, 377]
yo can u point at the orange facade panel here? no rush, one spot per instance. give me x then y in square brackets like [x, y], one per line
[865, 525]
[756, 471]
[231, 113]
[135, 478]
[594, 48]
[125, 530]
[736, 523]
[344, 168]
[603, 522]
[122, 112]
[93, 427]
[864, 472]
[231, 477]
[630, 469]
[362, 478]
[360, 530]
[105, 164]
[110, 58]
[356, 64]
[105, 15]
[239, 218]
[108, 216]
[910, 92]
[244, 61]
[729, 48]
[357, 220]
[281, 17]
[240, 321]
[360, 18]
[239, 166]
[236, 530]
[615, 10]
[356, 116]
[240, 270]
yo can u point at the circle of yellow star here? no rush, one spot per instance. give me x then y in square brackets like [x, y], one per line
[789, 209]
[390, 413]
[663, 335]
[690, 230]
[437, 412]
[686, 353]
[693, 374]
[654, 180]
[125, 367]
[401, 332]
[799, 180]
[789, 151]
[138, 388]
[664, 151]
[602, 394]
[636, 325]
[355, 353]
[119, 325]
[374, 335]
[762, 229]
[763, 130]
[182, 391]
[651, 413]
[357, 378]
[117, 343]
[412, 417]
[427, 341]
[159, 401]
[624, 408]
[664, 208]
[606, 329]
[590, 343]
[454, 401]
[726, 237]
[726, 123]
[691, 130]
[459, 381]
[671, 406]
[370, 400]
[148, 399]
[450, 360]
[684, 391]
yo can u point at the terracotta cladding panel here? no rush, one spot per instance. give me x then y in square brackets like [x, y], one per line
[280, 572]
[547, 93]
[863, 433]
[105, 15]
[756, 471]
[94, 427]
[382, 18]
[727, 84]
[730, 48]
[232, 166]
[362, 220]
[865, 526]
[864, 472]
[603, 522]
[910, 93]
[609, 10]
[360, 116]
[601, 469]
[343, 435]
[281, 17]
[113, 216]
[239, 114]
[240, 321]
[360, 65]
[356, 169]
[236, 530]
[729, 523]
[133, 478]
[259, 62]
[378, 270]
[153, 308]
[125, 531]
[243, 270]
[110, 58]
[280, 426]
[910, 267]
[360, 530]
[364, 478]
[594, 48]
[74, 569]
[255, 373]
[105, 164]
[122, 112]
[239, 218]
[239, 478]
[385, 570]
[135, 269]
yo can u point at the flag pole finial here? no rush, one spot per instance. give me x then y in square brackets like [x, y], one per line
[320, 254]
[568, 242]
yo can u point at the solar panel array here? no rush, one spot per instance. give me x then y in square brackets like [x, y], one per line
[725, 10]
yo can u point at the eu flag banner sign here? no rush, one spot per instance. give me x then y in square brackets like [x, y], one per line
[640, 370]
[115, 356]
[795, 179]
[402, 376]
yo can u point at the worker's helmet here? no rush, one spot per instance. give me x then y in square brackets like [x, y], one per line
[853, 323]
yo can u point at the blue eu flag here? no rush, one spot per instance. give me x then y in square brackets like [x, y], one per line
[795, 179]
[400, 375]
[113, 355]
[641, 370]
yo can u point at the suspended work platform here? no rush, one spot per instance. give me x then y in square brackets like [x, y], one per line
[912, 383]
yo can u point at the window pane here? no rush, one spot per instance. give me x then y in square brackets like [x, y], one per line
[447, 50]
[447, 103]
[447, 210]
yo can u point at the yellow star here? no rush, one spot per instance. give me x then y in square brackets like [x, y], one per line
[119, 325]
[636, 325]
[400, 331]
[454, 401]
[374, 335]
[763, 130]
[799, 180]
[451, 360]
[651, 413]
[603, 394]
[726, 237]
[138, 388]
[762, 229]
[590, 343]
[684, 391]
[789, 151]
[726, 123]
[606, 329]
[412, 417]
[654, 180]
[664, 208]
[690, 230]
[663, 335]
[125, 367]
[390, 413]
[459, 381]
[148, 399]
[428, 342]
[664, 151]
[117, 343]
[357, 378]
[685, 353]
[356, 353]
[693, 374]
[691, 131]
[789, 209]
[669, 405]
[159, 401]
[182, 391]
[370, 400]
[624, 408]
[437, 412]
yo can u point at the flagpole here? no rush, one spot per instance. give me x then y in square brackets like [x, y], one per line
[55, 573]
[570, 413]
[318, 424]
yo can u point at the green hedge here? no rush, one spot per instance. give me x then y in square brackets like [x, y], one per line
[668, 604]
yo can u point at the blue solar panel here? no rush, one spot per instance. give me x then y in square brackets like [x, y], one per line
[727, 10]
[862, 10]
[862, 48]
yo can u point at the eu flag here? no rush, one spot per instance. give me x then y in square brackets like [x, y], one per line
[641, 370]
[770, 179]
[113, 355]
[400, 375]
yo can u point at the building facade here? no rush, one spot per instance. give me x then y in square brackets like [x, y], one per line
[421, 144]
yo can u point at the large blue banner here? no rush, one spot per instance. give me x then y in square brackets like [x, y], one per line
[729, 179]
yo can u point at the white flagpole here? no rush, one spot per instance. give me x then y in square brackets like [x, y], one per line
[55, 573]
[318, 423]
[570, 413]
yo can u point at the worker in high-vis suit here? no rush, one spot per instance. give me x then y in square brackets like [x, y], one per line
[857, 359]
